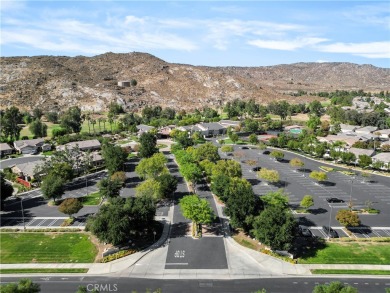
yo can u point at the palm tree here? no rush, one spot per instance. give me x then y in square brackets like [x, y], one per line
[104, 123]
[100, 120]
[93, 122]
[88, 117]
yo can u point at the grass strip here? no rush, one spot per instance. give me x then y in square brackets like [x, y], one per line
[49, 271]
[92, 199]
[349, 253]
[350, 272]
[46, 248]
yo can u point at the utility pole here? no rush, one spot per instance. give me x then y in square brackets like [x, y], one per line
[21, 205]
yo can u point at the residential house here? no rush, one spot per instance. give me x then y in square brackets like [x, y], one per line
[5, 149]
[348, 140]
[366, 130]
[348, 128]
[26, 171]
[358, 152]
[211, 129]
[384, 134]
[384, 158]
[30, 146]
[266, 137]
[165, 131]
[142, 128]
[84, 145]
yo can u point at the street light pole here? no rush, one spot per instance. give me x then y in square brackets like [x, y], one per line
[350, 195]
[330, 217]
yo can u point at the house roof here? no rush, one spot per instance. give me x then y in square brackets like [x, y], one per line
[144, 127]
[5, 147]
[92, 143]
[210, 126]
[28, 168]
[348, 127]
[349, 140]
[367, 129]
[383, 157]
[358, 152]
[28, 142]
[384, 131]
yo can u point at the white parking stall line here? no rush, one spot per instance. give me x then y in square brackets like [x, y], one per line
[376, 233]
[386, 231]
[41, 222]
[30, 222]
[52, 222]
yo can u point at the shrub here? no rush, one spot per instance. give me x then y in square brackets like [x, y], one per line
[117, 255]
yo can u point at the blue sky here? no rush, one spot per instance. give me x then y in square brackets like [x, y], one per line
[213, 33]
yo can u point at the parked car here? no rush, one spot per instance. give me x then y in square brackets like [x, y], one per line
[334, 199]
[245, 148]
[266, 152]
[256, 169]
[304, 231]
[330, 232]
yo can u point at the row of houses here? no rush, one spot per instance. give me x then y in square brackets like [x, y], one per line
[30, 146]
[205, 129]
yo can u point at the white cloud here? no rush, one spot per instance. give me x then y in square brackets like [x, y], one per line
[230, 9]
[288, 45]
[133, 19]
[368, 50]
[12, 6]
[378, 14]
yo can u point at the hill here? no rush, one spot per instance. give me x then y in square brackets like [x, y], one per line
[58, 82]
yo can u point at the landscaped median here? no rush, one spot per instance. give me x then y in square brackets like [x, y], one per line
[349, 272]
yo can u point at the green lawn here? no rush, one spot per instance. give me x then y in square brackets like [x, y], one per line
[92, 199]
[50, 126]
[351, 272]
[33, 271]
[46, 248]
[350, 253]
[229, 141]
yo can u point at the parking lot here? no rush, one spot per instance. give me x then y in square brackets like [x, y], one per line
[297, 184]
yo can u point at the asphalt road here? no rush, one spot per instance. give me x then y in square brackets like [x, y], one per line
[10, 162]
[272, 285]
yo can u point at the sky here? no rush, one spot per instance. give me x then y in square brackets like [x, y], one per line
[211, 33]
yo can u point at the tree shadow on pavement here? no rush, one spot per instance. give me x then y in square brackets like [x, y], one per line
[318, 211]
[180, 229]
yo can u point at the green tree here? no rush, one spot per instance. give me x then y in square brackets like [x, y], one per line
[38, 128]
[114, 158]
[229, 168]
[240, 202]
[318, 175]
[347, 157]
[152, 167]
[70, 206]
[116, 221]
[109, 188]
[23, 286]
[119, 176]
[197, 210]
[307, 202]
[72, 120]
[52, 117]
[168, 184]
[253, 139]
[275, 198]
[334, 287]
[275, 227]
[37, 113]
[272, 176]
[297, 163]
[207, 151]
[150, 188]
[10, 123]
[53, 186]
[278, 155]
[348, 218]
[6, 190]
[227, 149]
[234, 137]
[364, 161]
[148, 145]
[220, 186]
[191, 172]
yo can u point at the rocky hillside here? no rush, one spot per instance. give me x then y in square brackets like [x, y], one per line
[56, 82]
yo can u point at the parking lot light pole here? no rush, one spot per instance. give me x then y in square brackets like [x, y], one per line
[350, 195]
[21, 205]
[330, 217]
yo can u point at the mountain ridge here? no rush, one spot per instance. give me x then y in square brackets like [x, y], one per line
[58, 82]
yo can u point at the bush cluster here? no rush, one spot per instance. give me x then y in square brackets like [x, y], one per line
[118, 255]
